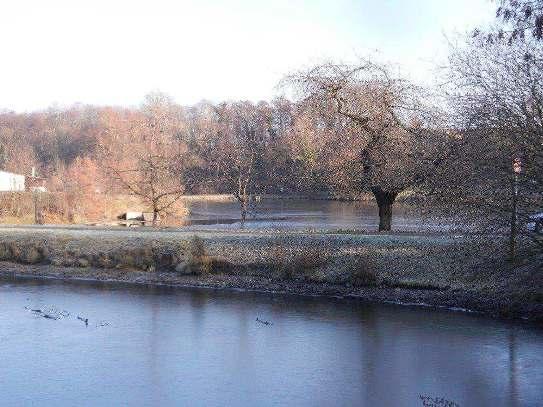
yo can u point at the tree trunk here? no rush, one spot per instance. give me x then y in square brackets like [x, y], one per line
[385, 200]
[155, 216]
[37, 213]
[243, 209]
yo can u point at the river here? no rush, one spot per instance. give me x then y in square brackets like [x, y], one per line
[160, 346]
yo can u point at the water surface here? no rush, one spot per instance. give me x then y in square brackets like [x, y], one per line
[312, 214]
[150, 346]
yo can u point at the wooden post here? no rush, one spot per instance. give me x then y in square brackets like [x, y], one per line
[37, 213]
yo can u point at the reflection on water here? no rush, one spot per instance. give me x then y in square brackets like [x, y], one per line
[167, 346]
[314, 214]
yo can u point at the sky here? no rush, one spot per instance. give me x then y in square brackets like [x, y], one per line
[113, 52]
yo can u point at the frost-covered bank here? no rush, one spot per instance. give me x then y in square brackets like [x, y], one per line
[460, 272]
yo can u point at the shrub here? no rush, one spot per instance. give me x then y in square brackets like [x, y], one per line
[363, 277]
[288, 262]
[32, 255]
[197, 260]
[5, 252]
[196, 247]
[29, 253]
[360, 274]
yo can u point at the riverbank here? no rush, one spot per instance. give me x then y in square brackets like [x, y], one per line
[458, 272]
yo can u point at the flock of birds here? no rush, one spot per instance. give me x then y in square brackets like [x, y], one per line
[55, 314]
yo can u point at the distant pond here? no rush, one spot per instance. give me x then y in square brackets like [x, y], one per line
[311, 214]
[159, 346]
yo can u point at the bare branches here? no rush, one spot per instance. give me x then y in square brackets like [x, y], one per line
[519, 20]
[498, 102]
[385, 114]
[146, 156]
[244, 131]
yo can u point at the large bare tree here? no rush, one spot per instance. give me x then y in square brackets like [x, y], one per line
[388, 143]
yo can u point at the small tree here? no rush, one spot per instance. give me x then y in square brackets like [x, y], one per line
[145, 157]
[78, 188]
[243, 132]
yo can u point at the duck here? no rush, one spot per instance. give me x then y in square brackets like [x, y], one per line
[263, 322]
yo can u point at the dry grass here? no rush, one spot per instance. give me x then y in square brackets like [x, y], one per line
[28, 253]
[63, 208]
[16, 205]
[17, 220]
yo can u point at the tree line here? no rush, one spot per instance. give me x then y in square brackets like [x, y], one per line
[161, 150]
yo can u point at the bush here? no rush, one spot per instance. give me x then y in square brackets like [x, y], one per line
[197, 260]
[23, 253]
[196, 247]
[32, 255]
[289, 262]
[363, 277]
[360, 274]
[5, 251]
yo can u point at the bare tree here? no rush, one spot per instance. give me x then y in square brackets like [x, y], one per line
[145, 155]
[243, 132]
[388, 145]
[497, 94]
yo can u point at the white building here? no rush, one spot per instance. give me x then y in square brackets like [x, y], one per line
[11, 182]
